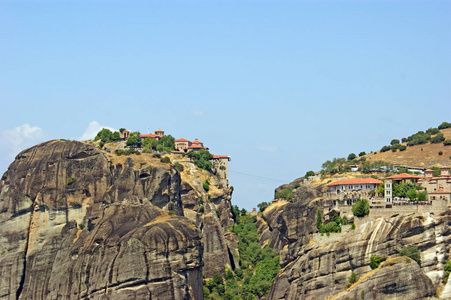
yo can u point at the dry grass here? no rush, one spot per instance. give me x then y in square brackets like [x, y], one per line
[418, 155]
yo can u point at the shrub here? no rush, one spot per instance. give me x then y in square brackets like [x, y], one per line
[222, 168]
[71, 180]
[178, 166]
[262, 206]
[157, 155]
[447, 143]
[375, 261]
[165, 159]
[351, 156]
[402, 148]
[385, 148]
[394, 142]
[362, 153]
[171, 213]
[352, 279]
[286, 194]
[444, 125]
[438, 138]
[81, 226]
[202, 209]
[218, 214]
[447, 271]
[206, 186]
[413, 253]
[432, 131]
[297, 185]
[309, 173]
[440, 153]
[146, 150]
[361, 208]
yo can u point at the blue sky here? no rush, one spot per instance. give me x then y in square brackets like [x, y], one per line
[280, 86]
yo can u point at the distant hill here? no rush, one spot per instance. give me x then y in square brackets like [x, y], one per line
[426, 155]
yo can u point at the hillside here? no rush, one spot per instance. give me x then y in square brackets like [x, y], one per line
[419, 155]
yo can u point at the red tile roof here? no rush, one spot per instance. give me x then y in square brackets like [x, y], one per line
[195, 147]
[356, 181]
[149, 135]
[196, 142]
[159, 130]
[404, 176]
[220, 156]
[182, 140]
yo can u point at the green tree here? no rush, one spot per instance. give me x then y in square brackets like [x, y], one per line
[262, 206]
[422, 196]
[319, 219]
[361, 208]
[121, 130]
[412, 194]
[394, 142]
[104, 135]
[352, 156]
[201, 158]
[116, 136]
[362, 153]
[309, 174]
[286, 194]
[447, 143]
[438, 138]
[444, 125]
[432, 131]
[168, 142]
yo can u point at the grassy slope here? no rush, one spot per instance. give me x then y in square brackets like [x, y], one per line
[414, 156]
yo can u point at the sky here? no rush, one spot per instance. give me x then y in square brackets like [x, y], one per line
[279, 86]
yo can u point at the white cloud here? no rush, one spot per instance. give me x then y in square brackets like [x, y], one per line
[17, 139]
[92, 129]
[266, 148]
[197, 113]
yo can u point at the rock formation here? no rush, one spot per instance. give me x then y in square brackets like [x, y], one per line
[76, 222]
[321, 271]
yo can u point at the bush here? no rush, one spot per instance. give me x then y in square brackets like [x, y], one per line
[262, 206]
[206, 186]
[178, 166]
[440, 153]
[352, 279]
[413, 253]
[165, 159]
[351, 156]
[438, 138]
[361, 208]
[201, 209]
[156, 155]
[309, 173]
[171, 213]
[447, 271]
[444, 125]
[385, 148]
[286, 194]
[402, 148]
[394, 142]
[362, 153]
[375, 261]
[71, 180]
[447, 143]
[81, 226]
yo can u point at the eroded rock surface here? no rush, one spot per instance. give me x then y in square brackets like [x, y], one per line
[321, 271]
[76, 222]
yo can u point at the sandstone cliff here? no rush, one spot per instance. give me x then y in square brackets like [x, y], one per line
[321, 271]
[76, 222]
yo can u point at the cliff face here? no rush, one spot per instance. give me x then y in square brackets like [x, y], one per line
[319, 271]
[76, 222]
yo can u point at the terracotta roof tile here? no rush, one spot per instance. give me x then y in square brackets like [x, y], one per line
[356, 181]
[404, 176]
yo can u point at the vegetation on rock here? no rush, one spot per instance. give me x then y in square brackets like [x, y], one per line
[413, 253]
[286, 194]
[375, 261]
[361, 208]
[201, 158]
